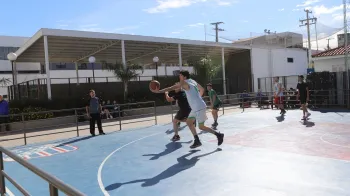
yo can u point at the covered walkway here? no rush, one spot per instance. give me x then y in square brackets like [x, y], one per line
[53, 45]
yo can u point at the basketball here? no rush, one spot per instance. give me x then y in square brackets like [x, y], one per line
[154, 84]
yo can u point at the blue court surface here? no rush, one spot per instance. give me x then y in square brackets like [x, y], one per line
[262, 154]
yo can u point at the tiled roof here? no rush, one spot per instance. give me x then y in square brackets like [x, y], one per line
[332, 52]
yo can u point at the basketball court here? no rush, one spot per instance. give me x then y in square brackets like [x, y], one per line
[262, 154]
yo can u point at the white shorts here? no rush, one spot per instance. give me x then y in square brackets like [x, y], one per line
[200, 115]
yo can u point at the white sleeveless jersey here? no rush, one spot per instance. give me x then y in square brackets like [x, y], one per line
[277, 89]
[194, 98]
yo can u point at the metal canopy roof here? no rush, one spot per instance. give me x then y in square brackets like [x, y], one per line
[77, 46]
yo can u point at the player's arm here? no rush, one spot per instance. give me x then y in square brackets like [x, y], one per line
[307, 94]
[169, 99]
[176, 86]
[279, 89]
[87, 108]
[298, 94]
[201, 89]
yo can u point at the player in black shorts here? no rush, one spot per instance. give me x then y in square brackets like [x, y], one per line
[303, 96]
[182, 114]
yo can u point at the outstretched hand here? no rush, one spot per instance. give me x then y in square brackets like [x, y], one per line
[155, 90]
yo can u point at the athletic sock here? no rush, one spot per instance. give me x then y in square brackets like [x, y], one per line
[196, 138]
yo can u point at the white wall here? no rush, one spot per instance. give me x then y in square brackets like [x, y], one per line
[274, 63]
[329, 64]
[12, 41]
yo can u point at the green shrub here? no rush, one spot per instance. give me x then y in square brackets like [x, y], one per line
[30, 113]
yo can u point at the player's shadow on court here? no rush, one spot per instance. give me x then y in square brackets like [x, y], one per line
[308, 124]
[280, 118]
[182, 164]
[170, 131]
[170, 147]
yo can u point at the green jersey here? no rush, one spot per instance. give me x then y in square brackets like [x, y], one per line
[213, 94]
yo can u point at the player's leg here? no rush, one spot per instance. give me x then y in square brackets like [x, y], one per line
[281, 103]
[201, 118]
[178, 118]
[190, 123]
[306, 114]
[214, 112]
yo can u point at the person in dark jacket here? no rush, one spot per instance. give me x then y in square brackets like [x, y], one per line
[93, 111]
[4, 112]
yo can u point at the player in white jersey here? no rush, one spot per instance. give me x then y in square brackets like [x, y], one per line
[194, 93]
[278, 95]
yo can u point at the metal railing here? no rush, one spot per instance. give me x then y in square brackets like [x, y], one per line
[73, 120]
[54, 183]
[332, 98]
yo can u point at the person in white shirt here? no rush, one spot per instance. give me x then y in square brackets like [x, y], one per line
[194, 93]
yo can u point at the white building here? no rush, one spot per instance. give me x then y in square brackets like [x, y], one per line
[331, 60]
[277, 54]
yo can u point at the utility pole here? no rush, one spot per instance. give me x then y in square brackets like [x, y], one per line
[217, 29]
[346, 63]
[307, 22]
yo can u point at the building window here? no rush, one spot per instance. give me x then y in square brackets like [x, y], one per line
[290, 60]
[4, 51]
[82, 66]
[61, 66]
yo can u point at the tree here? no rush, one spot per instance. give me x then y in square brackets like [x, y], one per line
[132, 71]
[5, 82]
[206, 68]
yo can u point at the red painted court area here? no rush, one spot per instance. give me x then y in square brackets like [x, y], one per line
[328, 140]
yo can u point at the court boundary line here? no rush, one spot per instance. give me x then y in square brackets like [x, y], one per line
[330, 143]
[99, 172]
[8, 192]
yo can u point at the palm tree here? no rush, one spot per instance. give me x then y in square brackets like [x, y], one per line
[5, 82]
[132, 71]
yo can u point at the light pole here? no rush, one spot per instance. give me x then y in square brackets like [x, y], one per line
[12, 57]
[92, 60]
[155, 60]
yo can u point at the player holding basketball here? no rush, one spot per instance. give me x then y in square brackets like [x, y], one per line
[303, 96]
[182, 114]
[215, 104]
[278, 95]
[194, 93]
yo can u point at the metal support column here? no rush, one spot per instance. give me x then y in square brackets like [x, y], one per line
[47, 66]
[77, 71]
[223, 69]
[180, 56]
[123, 54]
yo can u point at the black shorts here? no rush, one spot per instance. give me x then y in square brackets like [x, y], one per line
[302, 99]
[217, 106]
[182, 114]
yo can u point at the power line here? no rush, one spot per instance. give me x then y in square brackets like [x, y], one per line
[217, 29]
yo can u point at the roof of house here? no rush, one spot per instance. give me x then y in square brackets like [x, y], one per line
[332, 52]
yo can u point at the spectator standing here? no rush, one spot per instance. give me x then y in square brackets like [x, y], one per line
[4, 112]
[93, 111]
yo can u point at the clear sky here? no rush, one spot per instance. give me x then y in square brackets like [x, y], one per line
[168, 18]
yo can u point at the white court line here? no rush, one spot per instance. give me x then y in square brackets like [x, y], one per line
[99, 177]
[321, 138]
[8, 192]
